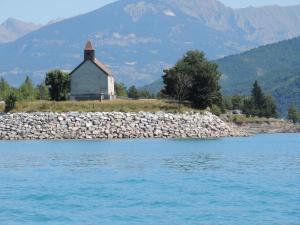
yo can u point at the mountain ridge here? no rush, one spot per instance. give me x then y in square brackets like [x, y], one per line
[140, 38]
[12, 29]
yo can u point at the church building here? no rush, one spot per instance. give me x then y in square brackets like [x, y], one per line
[91, 80]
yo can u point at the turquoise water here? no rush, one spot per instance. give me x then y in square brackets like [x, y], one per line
[252, 180]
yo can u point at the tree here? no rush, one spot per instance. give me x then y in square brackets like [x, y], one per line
[293, 114]
[42, 91]
[178, 82]
[145, 94]
[133, 92]
[248, 106]
[59, 85]
[259, 104]
[258, 99]
[10, 102]
[194, 78]
[227, 102]
[237, 102]
[269, 109]
[4, 88]
[121, 90]
[27, 90]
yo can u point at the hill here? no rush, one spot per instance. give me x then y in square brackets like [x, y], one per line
[275, 66]
[12, 29]
[140, 38]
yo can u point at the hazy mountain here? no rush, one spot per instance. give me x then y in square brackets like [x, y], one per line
[137, 39]
[275, 66]
[12, 29]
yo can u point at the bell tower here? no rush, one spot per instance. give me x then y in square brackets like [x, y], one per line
[89, 51]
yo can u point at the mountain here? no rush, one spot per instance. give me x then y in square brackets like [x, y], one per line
[138, 38]
[275, 66]
[12, 29]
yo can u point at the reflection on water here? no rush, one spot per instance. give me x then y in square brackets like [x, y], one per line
[193, 162]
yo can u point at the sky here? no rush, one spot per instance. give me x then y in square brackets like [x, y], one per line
[42, 11]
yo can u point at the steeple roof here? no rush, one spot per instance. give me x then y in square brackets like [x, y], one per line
[89, 46]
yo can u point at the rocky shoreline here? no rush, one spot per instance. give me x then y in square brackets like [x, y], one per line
[114, 125]
[270, 127]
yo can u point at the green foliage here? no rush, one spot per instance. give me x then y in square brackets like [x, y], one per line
[293, 114]
[145, 94]
[133, 92]
[178, 81]
[275, 66]
[258, 99]
[121, 90]
[59, 85]
[262, 106]
[4, 88]
[216, 110]
[194, 78]
[42, 91]
[27, 90]
[10, 102]
[257, 105]
[269, 109]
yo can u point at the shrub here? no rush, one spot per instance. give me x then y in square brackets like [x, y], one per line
[10, 102]
[216, 110]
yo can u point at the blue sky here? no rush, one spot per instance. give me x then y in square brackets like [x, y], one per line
[41, 11]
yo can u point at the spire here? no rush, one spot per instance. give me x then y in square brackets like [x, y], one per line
[89, 46]
[89, 51]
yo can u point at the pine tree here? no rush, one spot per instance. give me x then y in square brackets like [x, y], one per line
[293, 114]
[258, 99]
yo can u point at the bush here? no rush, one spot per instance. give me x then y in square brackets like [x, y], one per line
[216, 110]
[133, 92]
[10, 102]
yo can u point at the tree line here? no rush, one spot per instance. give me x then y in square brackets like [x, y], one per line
[193, 79]
[257, 104]
[132, 92]
[196, 79]
[26, 92]
[55, 87]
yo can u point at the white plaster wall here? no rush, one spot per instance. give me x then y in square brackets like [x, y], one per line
[111, 85]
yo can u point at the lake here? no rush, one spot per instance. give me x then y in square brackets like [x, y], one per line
[253, 180]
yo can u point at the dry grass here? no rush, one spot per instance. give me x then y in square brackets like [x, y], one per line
[241, 119]
[2, 106]
[96, 106]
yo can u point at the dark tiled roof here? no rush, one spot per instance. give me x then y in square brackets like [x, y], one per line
[100, 65]
[103, 67]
